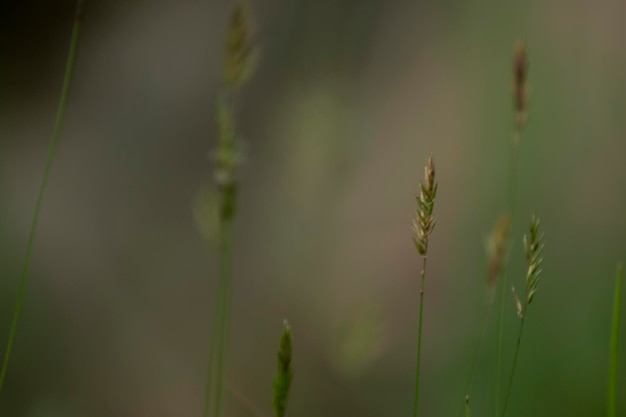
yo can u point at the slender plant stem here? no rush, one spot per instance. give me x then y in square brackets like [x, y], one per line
[419, 337]
[21, 292]
[467, 406]
[219, 329]
[213, 350]
[612, 387]
[226, 262]
[512, 197]
[512, 375]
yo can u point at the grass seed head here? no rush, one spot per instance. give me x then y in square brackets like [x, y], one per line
[533, 247]
[282, 383]
[424, 221]
[239, 51]
[520, 84]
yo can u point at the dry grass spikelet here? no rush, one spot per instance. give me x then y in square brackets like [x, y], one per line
[424, 221]
[533, 247]
[239, 52]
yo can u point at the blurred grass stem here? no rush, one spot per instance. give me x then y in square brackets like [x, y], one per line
[512, 375]
[419, 337]
[612, 386]
[42, 189]
[512, 198]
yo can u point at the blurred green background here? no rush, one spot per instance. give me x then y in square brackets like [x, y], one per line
[348, 100]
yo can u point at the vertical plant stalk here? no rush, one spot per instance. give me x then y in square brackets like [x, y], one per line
[237, 67]
[520, 101]
[467, 406]
[226, 261]
[21, 292]
[284, 374]
[533, 248]
[423, 225]
[419, 339]
[612, 386]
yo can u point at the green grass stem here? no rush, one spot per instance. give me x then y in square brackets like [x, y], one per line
[419, 337]
[512, 199]
[226, 266]
[612, 386]
[21, 292]
[507, 394]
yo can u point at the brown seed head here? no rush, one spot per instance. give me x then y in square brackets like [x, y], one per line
[424, 221]
[520, 84]
[238, 52]
[533, 247]
[429, 173]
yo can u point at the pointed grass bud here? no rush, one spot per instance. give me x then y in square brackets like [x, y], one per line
[424, 221]
[533, 247]
[239, 53]
[520, 84]
[282, 383]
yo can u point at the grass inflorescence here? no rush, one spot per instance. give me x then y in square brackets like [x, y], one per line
[533, 248]
[423, 226]
[237, 68]
[284, 374]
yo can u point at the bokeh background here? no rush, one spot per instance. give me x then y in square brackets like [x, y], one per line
[348, 100]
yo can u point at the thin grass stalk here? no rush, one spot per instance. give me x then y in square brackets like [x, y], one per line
[423, 226]
[21, 292]
[237, 67]
[533, 247]
[226, 263]
[419, 338]
[515, 356]
[217, 328]
[512, 199]
[520, 96]
[467, 406]
[612, 385]
[212, 353]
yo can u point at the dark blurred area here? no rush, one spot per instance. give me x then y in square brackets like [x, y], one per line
[348, 100]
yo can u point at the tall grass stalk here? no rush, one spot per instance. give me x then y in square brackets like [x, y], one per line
[533, 248]
[423, 225]
[21, 292]
[612, 386]
[419, 339]
[236, 68]
[520, 99]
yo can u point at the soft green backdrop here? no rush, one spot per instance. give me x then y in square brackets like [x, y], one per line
[349, 99]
